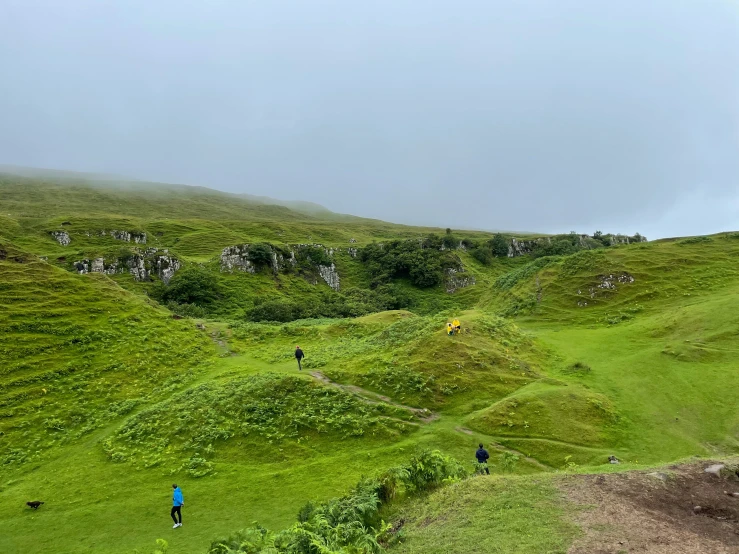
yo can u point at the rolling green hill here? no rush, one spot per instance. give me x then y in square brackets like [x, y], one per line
[147, 337]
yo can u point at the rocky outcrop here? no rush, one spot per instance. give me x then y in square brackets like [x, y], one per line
[142, 266]
[128, 236]
[236, 257]
[523, 247]
[455, 279]
[624, 239]
[62, 237]
[606, 283]
[250, 257]
[330, 275]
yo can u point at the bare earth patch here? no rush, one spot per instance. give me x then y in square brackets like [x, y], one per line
[678, 510]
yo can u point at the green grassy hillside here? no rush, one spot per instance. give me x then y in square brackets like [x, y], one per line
[112, 386]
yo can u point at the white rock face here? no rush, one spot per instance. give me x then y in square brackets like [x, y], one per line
[140, 266]
[62, 237]
[166, 266]
[235, 257]
[126, 236]
[330, 275]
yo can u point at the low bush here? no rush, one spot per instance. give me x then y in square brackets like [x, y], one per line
[482, 254]
[422, 262]
[499, 246]
[353, 302]
[351, 524]
[191, 285]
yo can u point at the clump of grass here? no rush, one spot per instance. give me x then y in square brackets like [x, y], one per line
[579, 368]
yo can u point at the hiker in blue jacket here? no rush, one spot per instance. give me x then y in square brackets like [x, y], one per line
[177, 502]
[482, 458]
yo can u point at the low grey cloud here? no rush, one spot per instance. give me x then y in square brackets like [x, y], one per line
[533, 115]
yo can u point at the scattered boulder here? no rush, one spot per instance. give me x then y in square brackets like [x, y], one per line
[608, 282]
[62, 237]
[715, 469]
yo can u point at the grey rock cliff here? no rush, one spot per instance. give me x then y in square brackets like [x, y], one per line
[141, 265]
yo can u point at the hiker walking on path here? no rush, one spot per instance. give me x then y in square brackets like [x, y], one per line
[299, 356]
[177, 502]
[482, 458]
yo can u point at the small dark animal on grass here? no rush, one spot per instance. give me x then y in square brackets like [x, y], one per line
[35, 504]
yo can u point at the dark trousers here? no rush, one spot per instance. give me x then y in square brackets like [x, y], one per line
[176, 510]
[300, 366]
[484, 465]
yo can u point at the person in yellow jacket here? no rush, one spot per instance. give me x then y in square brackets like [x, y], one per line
[457, 326]
[449, 329]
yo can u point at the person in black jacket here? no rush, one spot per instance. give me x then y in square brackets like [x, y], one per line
[299, 356]
[482, 458]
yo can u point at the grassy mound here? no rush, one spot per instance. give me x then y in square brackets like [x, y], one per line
[79, 352]
[551, 424]
[254, 415]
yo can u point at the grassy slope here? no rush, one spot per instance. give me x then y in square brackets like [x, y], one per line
[660, 383]
[511, 515]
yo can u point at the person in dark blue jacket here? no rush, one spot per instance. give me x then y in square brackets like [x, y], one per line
[177, 502]
[482, 458]
[299, 356]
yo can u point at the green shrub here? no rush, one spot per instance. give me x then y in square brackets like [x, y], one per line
[499, 246]
[350, 524]
[192, 285]
[187, 310]
[260, 254]
[482, 254]
[449, 241]
[419, 261]
[695, 240]
[353, 302]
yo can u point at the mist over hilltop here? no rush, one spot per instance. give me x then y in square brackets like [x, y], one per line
[536, 115]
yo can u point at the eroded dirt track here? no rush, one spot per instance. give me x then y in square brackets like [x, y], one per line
[681, 510]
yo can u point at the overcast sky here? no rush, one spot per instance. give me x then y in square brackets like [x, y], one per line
[549, 115]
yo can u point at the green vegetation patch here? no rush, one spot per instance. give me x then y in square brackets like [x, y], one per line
[515, 515]
[560, 415]
[78, 351]
[266, 408]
